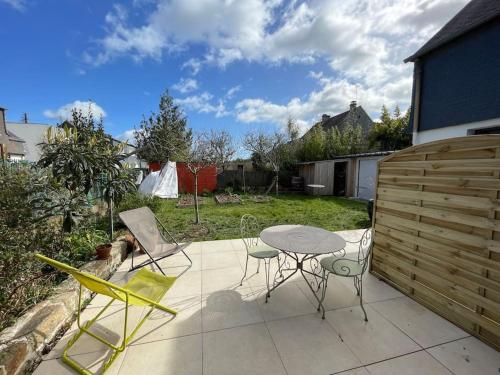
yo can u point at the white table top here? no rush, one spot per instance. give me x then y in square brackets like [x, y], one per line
[302, 239]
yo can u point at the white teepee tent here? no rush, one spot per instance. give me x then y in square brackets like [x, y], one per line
[162, 183]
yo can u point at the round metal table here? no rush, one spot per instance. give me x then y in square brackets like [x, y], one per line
[302, 243]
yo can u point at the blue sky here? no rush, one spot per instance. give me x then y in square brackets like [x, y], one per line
[237, 65]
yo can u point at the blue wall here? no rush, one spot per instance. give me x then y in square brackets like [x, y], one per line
[461, 80]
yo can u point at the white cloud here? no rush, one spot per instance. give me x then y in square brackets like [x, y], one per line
[333, 96]
[203, 103]
[193, 64]
[363, 41]
[19, 5]
[186, 85]
[64, 112]
[232, 91]
[127, 136]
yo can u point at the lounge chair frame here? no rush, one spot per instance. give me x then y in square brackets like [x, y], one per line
[122, 294]
[165, 234]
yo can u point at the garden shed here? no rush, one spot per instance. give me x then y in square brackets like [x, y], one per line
[348, 175]
[437, 229]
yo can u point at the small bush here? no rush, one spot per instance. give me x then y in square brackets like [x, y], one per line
[136, 200]
[29, 223]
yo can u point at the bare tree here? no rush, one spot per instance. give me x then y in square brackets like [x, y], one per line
[269, 148]
[222, 148]
[212, 149]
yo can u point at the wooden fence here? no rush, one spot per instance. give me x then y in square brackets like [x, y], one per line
[236, 179]
[437, 229]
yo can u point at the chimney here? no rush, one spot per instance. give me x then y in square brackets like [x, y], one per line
[324, 117]
[352, 106]
[4, 139]
[3, 125]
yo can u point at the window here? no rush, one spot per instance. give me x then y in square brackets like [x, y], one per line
[492, 130]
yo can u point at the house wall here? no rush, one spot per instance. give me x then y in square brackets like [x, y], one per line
[452, 131]
[460, 84]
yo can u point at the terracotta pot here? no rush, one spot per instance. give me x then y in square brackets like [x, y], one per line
[103, 251]
[131, 243]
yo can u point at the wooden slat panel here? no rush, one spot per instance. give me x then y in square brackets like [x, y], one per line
[460, 164]
[437, 229]
[453, 217]
[473, 183]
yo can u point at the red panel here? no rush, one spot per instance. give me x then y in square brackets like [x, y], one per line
[207, 179]
[154, 166]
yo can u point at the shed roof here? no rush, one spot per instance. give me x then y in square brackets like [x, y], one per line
[350, 156]
[474, 14]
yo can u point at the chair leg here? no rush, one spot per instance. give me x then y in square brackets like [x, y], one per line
[245, 274]
[356, 284]
[267, 269]
[116, 350]
[360, 283]
[323, 293]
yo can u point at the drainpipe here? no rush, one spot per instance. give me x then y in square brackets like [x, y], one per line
[417, 81]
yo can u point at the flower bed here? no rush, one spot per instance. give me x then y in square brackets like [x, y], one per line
[188, 201]
[227, 198]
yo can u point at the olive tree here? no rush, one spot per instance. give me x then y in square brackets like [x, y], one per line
[269, 148]
[208, 149]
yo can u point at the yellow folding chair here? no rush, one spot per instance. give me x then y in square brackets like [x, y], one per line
[145, 288]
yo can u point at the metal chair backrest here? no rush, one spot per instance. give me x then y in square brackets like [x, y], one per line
[365, 248]
[249, 230]
[144, 226]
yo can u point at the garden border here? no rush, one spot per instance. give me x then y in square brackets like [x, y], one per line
[35, 332]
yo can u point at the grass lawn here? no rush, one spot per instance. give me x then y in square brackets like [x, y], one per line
[223, 221]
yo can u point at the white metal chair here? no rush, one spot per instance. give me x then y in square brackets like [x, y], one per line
[250, 229]
[345, 267]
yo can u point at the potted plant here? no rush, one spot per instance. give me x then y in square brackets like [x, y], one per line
[103, 251]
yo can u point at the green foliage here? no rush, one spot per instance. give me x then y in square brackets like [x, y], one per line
[30, 203]
[81, 244]
[163, 136]
[313, 144]
[78, 156]
[136, 200]
[320, 145]
[223, 221]
[392, 132]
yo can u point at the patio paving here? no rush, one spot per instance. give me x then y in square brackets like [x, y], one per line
[225, 328]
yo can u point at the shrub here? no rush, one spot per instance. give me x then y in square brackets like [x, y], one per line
[136, 200]
[30, 222]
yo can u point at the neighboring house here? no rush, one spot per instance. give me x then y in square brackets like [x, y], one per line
[356, 115]
[11, 145]
[344, 176]
[32, 134]
[132, 161]
[25, 138]
[456, 81]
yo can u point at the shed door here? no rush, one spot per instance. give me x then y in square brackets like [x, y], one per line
[367, 169]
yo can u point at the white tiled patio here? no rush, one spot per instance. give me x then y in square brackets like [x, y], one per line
[225, 328]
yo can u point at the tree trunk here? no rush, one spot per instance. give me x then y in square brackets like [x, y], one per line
[196, 208]
[277, 178]
[110, 213]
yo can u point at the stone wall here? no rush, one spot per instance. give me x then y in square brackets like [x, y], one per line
[34, 334]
